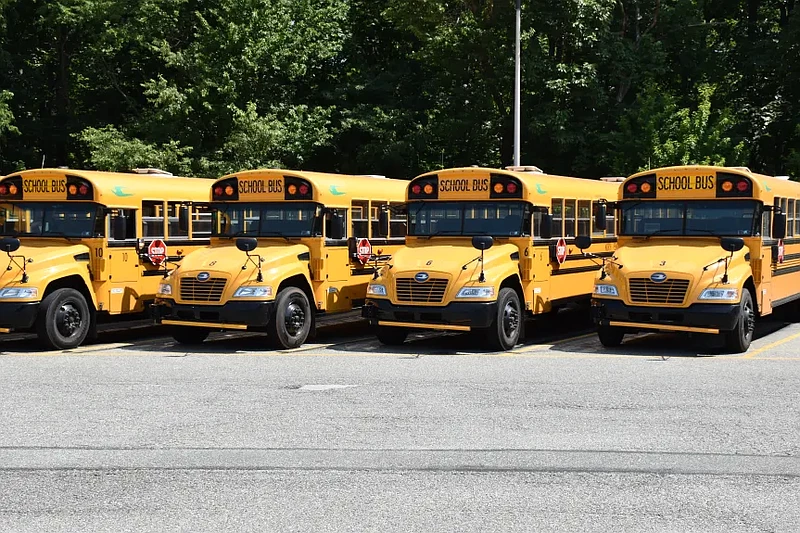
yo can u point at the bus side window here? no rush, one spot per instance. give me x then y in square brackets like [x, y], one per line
[569, 218]
[174, 212]
[358, 214]
[595, 230]
[790, 219]
[152, 220]
[584, 217]
[374, 219]
[201, 221]
[558, 214]
[397, 221]
[129, 215]
[342, 213]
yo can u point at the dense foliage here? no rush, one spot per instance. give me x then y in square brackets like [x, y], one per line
[398, 87]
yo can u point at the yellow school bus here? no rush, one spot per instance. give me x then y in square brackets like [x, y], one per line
[79, 246]
[487, 248]
[289, 250]
[702, 249]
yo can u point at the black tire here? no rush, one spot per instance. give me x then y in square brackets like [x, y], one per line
[291, 325]
[738, 340]
[189, 335]
[610, 336]
[64, 319]
[506, 329]
[392, 336]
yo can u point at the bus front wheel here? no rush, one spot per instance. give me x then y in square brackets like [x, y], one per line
[189, 335]
[64, 319]
[506, 330]
[738, 340]
[610, 336]
[291, 325]
[392, 336]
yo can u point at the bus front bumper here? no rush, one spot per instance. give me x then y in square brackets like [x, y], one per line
[456, 316]
[232, 315]
[700, 318]
[17, 315]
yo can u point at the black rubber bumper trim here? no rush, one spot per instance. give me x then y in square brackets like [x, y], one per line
[713, 316]
[18, 315]
[251, 314]
[472, 314]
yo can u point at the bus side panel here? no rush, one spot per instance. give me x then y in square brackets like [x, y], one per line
[537, 291]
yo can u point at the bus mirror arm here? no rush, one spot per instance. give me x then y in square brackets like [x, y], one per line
[250, 259]
[604, 261]
[10, 245]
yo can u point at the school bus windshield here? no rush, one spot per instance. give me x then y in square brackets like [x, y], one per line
[265, 219]
[39, 219]
[502, 219]
[689, 217]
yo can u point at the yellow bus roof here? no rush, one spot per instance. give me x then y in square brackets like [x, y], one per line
[539, 184]
[127, 189]
[764, 185]
[336, 189]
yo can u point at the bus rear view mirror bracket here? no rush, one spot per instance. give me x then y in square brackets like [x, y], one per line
[482, 243]
[10, 245]
[247, 245]
[583, 242]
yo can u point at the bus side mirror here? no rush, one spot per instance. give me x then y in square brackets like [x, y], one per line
[546, 228]
[731, 244]
[600, 218]
[383, 223]
[583, 242]
[778, 225]
[246, 244]
[482, 242]
[337, 227]
[183, 217]
[9, 244]
[119, 228]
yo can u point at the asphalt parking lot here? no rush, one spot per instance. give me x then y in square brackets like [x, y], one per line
[665, 433]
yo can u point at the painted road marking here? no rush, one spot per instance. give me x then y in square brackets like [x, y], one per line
[775, 344]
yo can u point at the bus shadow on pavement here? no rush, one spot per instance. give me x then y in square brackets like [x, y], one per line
[664, 345]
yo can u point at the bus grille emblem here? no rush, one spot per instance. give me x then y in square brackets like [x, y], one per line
[421, 277]
[658, 277]
[203, 276]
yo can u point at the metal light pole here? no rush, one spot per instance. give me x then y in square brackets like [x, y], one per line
[517, 85]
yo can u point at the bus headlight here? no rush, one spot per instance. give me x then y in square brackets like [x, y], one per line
[375, 289]
[20, 292]
[165, 289]
[476, 292]
[606, 290]
[253, 291]
[720, 294]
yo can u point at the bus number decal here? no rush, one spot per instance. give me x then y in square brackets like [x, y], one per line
[260, 186]
[44, 186]
[464, 185]
[685, 183]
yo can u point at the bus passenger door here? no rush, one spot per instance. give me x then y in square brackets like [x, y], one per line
[122, 262]
[537, 266]
[335, 271]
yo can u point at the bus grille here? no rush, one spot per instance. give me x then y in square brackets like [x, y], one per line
[431, 291]
[193, 290]
[644, 291]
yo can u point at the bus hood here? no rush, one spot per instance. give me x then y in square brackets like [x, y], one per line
[227, 261]
[449, 258]
[42, 257]
[684, 255]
